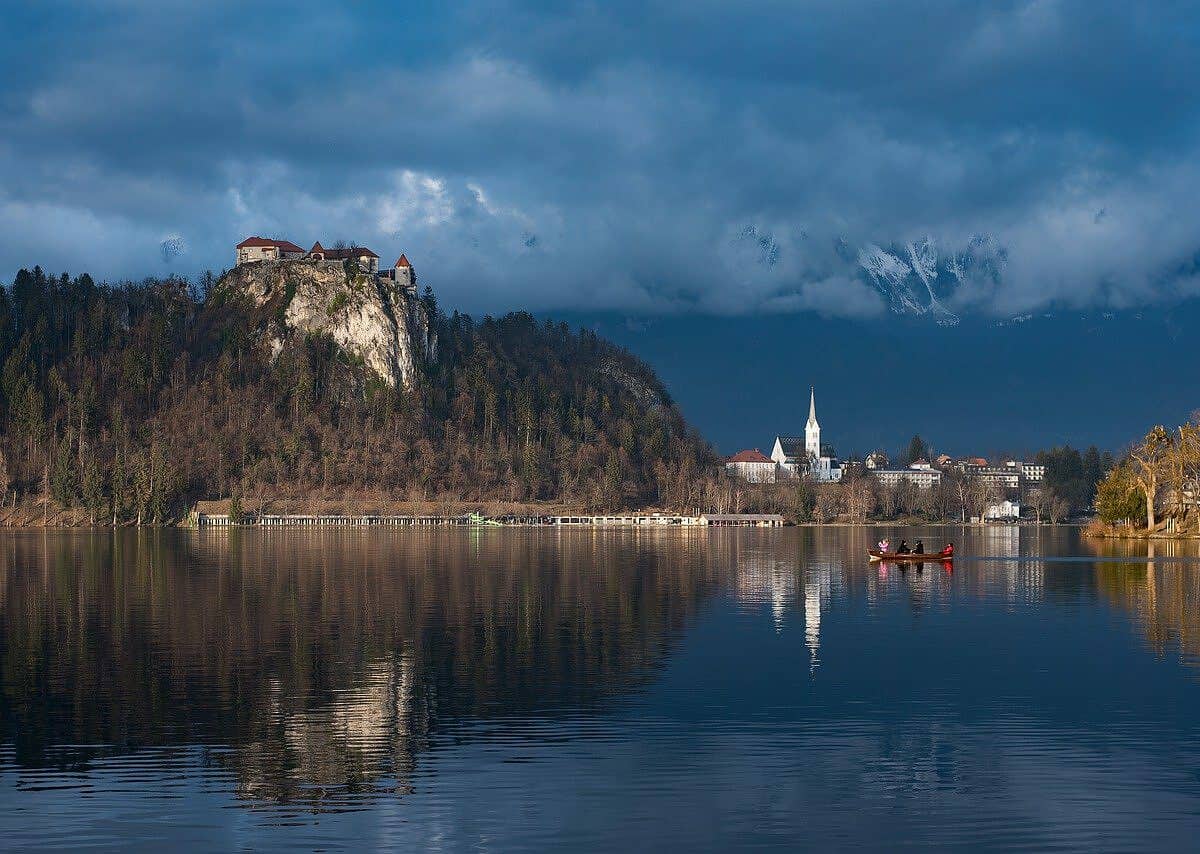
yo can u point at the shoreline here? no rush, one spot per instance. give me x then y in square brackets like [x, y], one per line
[368, 511]
[79, 521]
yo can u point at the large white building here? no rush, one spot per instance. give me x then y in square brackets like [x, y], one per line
[753, 466]
[921, 474]
[796, 457]
[1002, 511]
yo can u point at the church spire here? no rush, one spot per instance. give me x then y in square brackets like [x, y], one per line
[812, 430]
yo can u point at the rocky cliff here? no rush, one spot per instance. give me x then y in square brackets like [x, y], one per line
[370, 318]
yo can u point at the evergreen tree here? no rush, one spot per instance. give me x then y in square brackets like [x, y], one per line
[917, 450]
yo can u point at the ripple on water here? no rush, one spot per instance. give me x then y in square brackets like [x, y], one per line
[537, 689]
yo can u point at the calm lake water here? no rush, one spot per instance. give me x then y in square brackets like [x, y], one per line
[532, 689]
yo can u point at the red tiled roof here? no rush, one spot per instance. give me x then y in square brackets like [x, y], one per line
[282, 245]
[317, 247]
[402, 261]
[755, 456]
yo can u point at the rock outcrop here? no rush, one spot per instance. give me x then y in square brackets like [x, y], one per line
[370, 318]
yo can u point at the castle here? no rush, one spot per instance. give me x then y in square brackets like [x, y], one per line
[256, 249]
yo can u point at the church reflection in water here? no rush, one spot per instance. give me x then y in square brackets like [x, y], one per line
[318, 668]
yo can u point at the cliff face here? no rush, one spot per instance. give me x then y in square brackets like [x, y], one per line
[373, 319]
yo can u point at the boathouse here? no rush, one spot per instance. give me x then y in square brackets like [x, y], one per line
[742, 520]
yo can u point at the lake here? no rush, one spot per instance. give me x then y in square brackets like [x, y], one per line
[511, 689]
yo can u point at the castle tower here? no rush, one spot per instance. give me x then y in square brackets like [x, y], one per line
[812, 430]
[403, 273]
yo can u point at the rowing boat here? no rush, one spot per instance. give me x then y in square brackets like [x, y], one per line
[909, 557]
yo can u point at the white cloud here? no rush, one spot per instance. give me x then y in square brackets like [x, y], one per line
[545, 158]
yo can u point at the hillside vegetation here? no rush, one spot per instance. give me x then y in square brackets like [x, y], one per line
[134, 401]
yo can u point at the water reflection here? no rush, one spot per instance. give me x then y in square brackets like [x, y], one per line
[1160, 586]
[591, 689]
[324, 661]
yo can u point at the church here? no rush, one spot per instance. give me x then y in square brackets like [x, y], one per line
[799, 456]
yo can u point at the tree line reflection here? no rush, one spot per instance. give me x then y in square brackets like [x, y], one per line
[1159, 586]
[317, 668]
[319, 665]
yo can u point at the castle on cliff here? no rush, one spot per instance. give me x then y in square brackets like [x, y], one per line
[254, 250]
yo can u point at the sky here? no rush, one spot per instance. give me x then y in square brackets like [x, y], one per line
[983, 388]
[655, 159]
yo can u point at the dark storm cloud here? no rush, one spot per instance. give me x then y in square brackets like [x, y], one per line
[612, 155]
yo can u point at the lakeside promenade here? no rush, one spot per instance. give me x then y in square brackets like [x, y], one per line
[222, 520]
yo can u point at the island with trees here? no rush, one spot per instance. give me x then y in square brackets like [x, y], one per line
[127, 404]
[282, 387]
[1153, 492]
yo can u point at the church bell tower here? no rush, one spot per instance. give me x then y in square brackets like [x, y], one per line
[812, 430]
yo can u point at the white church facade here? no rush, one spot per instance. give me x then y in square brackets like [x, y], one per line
[801, 456]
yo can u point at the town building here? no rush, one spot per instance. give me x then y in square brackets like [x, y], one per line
[752, 466]
[742, 520]
[1003, 476]
[921, 474]
[876, 460]
[852, 467]
[1008, 510]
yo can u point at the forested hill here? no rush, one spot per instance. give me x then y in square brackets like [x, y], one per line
[138, 399]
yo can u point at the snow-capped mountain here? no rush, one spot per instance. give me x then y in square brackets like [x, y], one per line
[916, 279]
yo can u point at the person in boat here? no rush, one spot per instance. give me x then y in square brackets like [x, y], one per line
[884, 545]
[919, 548]
[948, 550]
[904, 549]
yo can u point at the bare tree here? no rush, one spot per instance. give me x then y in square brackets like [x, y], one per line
[1186, 472]
[887, 501]
[828, 503]
[859, 499]
[1058, 508]
[981, 495]
[1151, 465]
[962, 486]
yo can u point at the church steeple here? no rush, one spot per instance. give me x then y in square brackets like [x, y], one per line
[812, 430]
